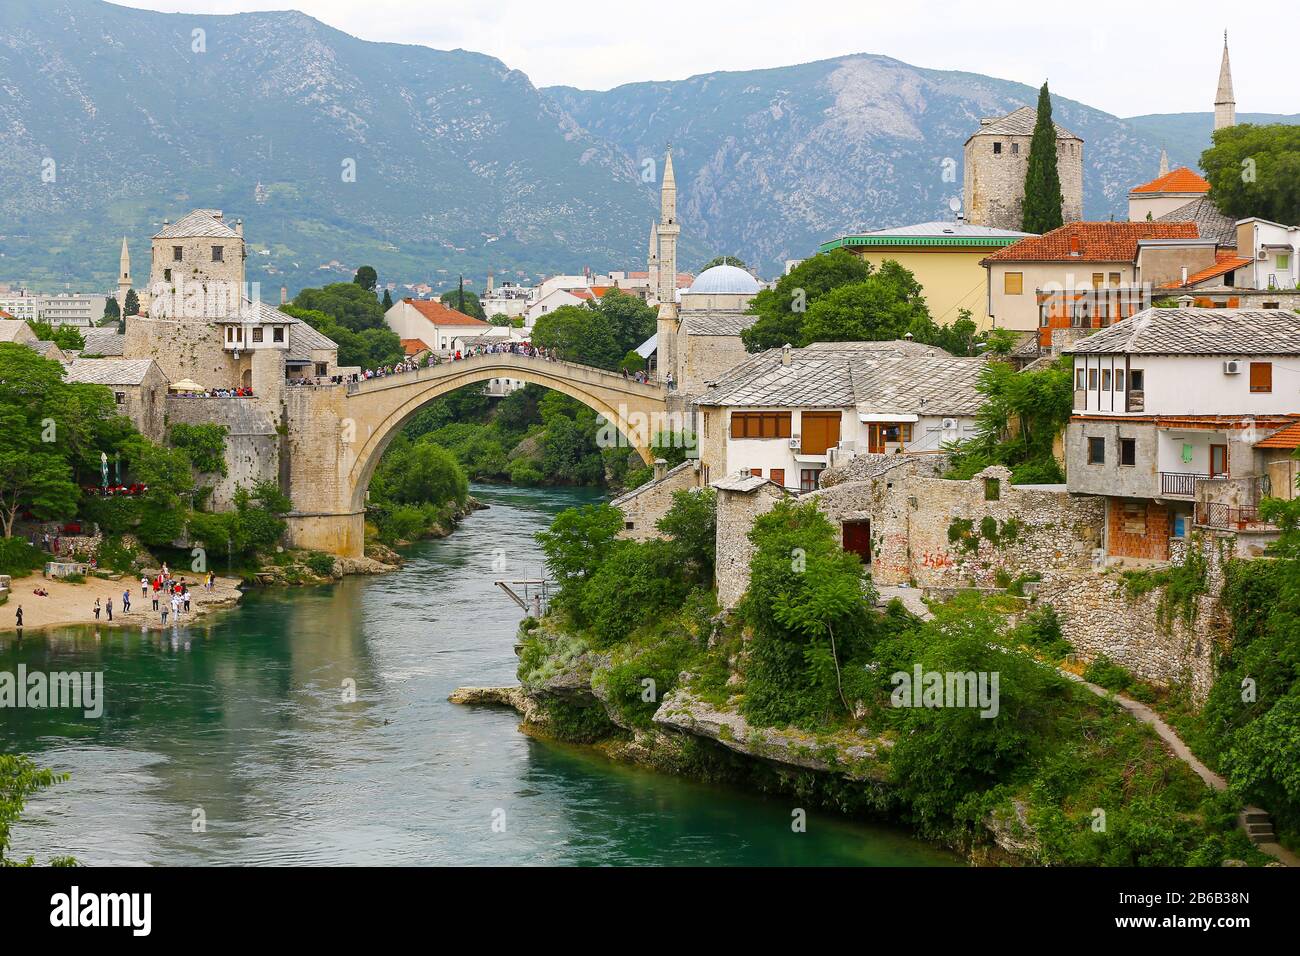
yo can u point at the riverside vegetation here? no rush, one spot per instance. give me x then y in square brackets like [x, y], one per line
[791, 694]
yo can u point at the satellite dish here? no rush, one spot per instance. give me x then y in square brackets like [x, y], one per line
[954, 204]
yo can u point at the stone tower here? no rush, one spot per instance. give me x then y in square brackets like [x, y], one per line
[1225, 107]
[668, 230]
[996, 158]
[652, 262]
[199, 254]
[123, 277]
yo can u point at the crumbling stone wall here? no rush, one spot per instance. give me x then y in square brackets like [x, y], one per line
[737, 511]
[1099, 616]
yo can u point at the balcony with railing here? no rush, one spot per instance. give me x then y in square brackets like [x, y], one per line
[1180, 484]
[1225, 517]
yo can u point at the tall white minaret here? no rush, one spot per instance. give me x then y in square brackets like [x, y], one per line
[123, 278]
[666, 343]
[1225, 107]
[652, 262]
[1164, 162]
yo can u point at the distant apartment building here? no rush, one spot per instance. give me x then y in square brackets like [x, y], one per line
[1175, 413]
[64, 308]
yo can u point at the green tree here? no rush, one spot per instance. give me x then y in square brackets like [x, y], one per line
[367, 278]
[472, 306]
[691, 523]
[579, 333]
[368, 348]
[781, 310]
[631, 321]
[132, 304]
[1043, 198]
[19, 779]
[576, 543]
[886, 305]
[388, 300]
[724, 261]
[1255, 171]
[35, 473]
[112, 312]
[205, 445]
[64, 336]
[350, 305]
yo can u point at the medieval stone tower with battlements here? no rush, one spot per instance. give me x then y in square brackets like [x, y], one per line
[996, 158]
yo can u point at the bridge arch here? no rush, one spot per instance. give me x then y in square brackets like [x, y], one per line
[378, 408]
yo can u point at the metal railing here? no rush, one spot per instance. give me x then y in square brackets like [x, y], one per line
[1179, 484]
[1212, 514]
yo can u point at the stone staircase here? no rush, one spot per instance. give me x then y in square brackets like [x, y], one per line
[1259, 827]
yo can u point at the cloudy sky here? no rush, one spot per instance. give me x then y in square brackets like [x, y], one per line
[1150, 56]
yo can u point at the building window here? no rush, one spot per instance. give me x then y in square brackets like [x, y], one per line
[997, 149]
[257, 334]
[1283, 261]
[1092, 380]
[778, 476]
[1261, 376]
[1105, 380]
[176, 253]
[167, 275]
[756, 472]
[119, 397]
[1271, 305]
[808, 479]
[1119, 380]
[1015, 149]
[1098, 280]
[218, 254]
[1135, 379]
[629, 525]
[1080, 379]
[277, 334]
[1013, 283]
[760, 424]
[1096, 451]
[1133, 517]
[1114, 278]
[322, 368]
[1128, 451]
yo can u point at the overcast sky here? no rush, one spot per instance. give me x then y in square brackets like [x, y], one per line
[1122, 56]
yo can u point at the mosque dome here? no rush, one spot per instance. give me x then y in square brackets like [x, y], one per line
[724, 280]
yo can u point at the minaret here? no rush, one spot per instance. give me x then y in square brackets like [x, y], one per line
[1164, 162]
[123, 278]
[652, 263]
[1225, 107]
[666, 344]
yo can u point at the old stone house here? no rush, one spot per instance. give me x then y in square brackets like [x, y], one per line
[996, 158]
[138, 385]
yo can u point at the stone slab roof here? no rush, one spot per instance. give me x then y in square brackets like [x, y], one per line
[106, 342]
[1198, 332]
[15, 330]
[1019, 122]
[717, 322]
[640, 489]
[304, 339]
[873, 377]
[199, 224]
[110, 371]
[745, 483]
[1210, 222]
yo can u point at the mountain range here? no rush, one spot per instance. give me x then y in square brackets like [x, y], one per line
[428, 163]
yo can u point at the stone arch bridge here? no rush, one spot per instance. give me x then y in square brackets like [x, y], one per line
[335, 435]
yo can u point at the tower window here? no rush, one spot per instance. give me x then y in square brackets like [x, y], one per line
[176, 253]
[218, 254]
[1015, 149]
[997, 149]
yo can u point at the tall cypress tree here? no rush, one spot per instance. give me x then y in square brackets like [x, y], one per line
[1043, 198]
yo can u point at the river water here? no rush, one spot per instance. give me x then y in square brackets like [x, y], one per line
[232, 742]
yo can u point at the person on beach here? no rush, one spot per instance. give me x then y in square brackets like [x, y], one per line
[109, 607]
[185, 595]
[126, 601]
[18, 620]
[144, 585]
[96, 609]
[164, 614]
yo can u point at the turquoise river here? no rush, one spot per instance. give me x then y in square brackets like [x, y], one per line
[231, 741]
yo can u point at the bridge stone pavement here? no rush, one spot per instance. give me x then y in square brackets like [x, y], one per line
[335, 435]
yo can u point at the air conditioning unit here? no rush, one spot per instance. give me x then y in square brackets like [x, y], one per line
[949, 424]
[1263, 255]
[1232, 368]
[794, 442]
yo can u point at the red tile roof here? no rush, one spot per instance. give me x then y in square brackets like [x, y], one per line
[1091, 242]
[1180, 180]
[1288, 437]
[439, 314]
[414, 346]
[1224, 262]
[5, 315]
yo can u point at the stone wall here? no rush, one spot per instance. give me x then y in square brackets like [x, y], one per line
[183, 348]
[737, 511]
[643, 507]
[994, 184]
[252, 441]
[1099, 616]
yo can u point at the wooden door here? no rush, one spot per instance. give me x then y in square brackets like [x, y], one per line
[857, 539]
[875, 439]
[1218, 460]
